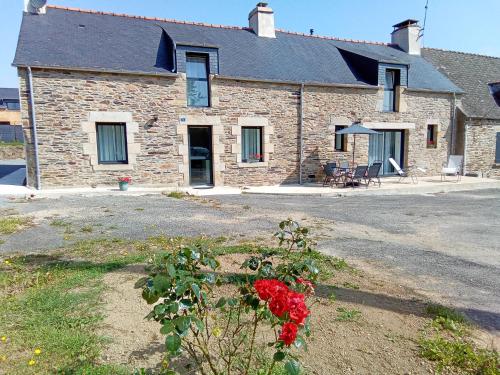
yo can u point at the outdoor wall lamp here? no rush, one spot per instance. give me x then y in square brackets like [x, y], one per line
[150, 123]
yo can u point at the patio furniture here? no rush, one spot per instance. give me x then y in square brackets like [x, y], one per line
[453, 168]
[329, 169]
[355, 177]
[403, 173]
[354, 129]
[373, 173]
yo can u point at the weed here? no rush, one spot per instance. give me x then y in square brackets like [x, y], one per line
[439, 311]
[350, 285]
[246, 207]
[60, 223]
[87, 229]
[460, 354]
[10, 225]
[176, 194]
[332, 298]
[139, 209]
[347, 315]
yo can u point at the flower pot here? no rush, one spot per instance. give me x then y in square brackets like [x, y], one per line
[123, 185]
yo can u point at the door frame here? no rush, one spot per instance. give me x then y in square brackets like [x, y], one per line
[210, 142]
[403, 146]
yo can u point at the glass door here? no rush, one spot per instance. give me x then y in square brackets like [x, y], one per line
[200, 155]
[387, 144]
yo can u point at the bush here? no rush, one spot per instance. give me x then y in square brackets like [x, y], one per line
[219, 334]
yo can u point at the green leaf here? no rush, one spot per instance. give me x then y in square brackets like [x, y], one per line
[167, 327]
[232, 302]
[182, 324]
[173, 343]
[199, 323]
[171, 270]
[300, 343]
[279, 356]
[292, 367]
[159, 309]
[149, 296]
[196, 290]
[220, 303]
[141, 282]
[181, 289]
[161, 283]
[173, 308]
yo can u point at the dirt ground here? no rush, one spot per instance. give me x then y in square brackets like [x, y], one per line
[383, 340]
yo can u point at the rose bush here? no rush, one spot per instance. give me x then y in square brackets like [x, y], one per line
[219, 334]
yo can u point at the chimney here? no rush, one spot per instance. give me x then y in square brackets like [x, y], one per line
[406, 36]
[261, 20]
[35, 6]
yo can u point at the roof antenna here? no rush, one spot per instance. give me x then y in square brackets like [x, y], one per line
[311, 32]
[422, 30]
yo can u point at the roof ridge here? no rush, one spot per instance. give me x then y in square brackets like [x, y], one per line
[462, 53]
[91, 11]
[334, 38]
[99, 12]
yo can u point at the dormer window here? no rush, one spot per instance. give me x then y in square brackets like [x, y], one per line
[197, 80]
[391, 82]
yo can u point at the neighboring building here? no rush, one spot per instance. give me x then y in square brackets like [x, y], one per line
[478, 116]
[179, 103]
[10, 111]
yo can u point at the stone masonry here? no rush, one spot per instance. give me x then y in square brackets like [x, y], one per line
[68, 104]
[481, 145]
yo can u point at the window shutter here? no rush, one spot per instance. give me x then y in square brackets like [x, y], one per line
[497, 153]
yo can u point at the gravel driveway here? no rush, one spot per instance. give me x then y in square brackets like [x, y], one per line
[445, 245]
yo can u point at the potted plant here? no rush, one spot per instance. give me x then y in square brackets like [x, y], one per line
[123, 183]
[255, 158]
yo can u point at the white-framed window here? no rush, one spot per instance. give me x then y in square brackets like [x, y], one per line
[252, 150]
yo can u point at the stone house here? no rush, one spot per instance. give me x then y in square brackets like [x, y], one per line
[10, 113]
[477, 135]
[177, 103]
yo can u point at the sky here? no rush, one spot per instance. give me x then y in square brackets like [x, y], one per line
[461, 25]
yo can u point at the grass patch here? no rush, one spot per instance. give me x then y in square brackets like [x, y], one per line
[87, 229]
[439, 311]
[11, 144]
[176, 194]
[53, 304]
[10, 225]
[59, 223]
[459, 354]
[345, 315]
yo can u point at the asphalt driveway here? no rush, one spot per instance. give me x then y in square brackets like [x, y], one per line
[446, 245]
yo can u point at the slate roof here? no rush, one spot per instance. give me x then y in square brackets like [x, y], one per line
[7, 93]
[472, 73]
[72, 38]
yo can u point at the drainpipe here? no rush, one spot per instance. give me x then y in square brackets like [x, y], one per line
[33, 125]
[453, 127]
[301, 128]
[466, 125]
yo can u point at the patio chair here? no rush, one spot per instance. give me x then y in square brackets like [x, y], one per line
[329, 170]
[402, 172]
[373, 173]
[357, 176]
[453, 168]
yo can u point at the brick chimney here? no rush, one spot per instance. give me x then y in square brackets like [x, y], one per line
[406, 36]
[261, 20]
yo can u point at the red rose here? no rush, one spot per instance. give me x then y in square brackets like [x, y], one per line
[279, 304]
[267, 289]
[297, 308]
[288, 333]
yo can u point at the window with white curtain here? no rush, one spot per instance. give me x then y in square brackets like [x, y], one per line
[389, 88]
[197, 80]
[112, 144]
[251, 143]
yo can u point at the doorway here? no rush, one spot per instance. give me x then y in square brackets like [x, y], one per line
[200, 156]
[387, 144]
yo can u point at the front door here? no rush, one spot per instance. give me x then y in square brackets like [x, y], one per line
[387, 144]
[200, 155]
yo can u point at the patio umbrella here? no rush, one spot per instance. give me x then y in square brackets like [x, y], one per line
[355, 129]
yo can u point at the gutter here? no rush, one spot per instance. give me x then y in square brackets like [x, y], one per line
[295, 83]
[100, 70]
[301, 133]
[35, 133]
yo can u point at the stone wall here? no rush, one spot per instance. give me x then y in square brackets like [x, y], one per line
[8, 152]
[67, 103]
[326, 107]
[481, 146]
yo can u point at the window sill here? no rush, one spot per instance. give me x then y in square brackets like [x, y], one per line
[253, 165]
[113, 167]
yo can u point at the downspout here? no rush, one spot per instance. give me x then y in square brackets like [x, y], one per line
[453, 125]
[466, 125]
[301, 132]
[33, 125]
